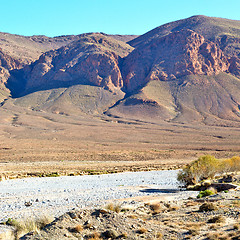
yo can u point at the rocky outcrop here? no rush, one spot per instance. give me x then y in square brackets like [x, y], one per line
[234, 67]
[94, 59]
[7, 63]
[176, 55]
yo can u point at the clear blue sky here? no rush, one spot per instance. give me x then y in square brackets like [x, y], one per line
[63, 17]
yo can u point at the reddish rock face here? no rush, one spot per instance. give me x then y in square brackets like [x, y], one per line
[94, 60]
[175, 55]
[101, 69]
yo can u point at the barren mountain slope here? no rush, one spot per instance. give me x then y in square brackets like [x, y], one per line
[74, 100]
[212, 100]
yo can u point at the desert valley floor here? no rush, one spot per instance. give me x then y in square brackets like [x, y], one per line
[38, 142]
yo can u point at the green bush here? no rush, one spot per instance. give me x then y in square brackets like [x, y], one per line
[205, 193]
[203, 168]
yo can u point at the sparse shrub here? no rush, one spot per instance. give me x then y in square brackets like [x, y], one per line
[11, 222]
[205, 193]
[203, 168]
[53, 174]
[207, 167]
[235, 164]
[207, 207]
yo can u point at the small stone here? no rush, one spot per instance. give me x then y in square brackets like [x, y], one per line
[111, 234]
[73, 215]
[28, 204]
[104, 211]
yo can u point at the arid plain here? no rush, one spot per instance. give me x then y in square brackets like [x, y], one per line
[38, 142]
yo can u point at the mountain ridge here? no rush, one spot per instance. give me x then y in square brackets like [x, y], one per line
[186, 71]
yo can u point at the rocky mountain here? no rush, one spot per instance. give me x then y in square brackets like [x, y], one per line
[173, 56]
[186, 71]
[18, 51]
[93, 59]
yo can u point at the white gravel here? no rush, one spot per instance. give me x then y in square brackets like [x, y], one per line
[54, 196]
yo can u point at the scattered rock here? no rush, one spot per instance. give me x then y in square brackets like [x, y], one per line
[73, 215]
[28, 204]
[111, 234]
[217, 219]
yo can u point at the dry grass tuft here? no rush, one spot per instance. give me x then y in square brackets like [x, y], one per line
[124, 235]
[43, 221]
[25, 226]
[193, 232]
[173, 208]
[156, 208]
[114, 207]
